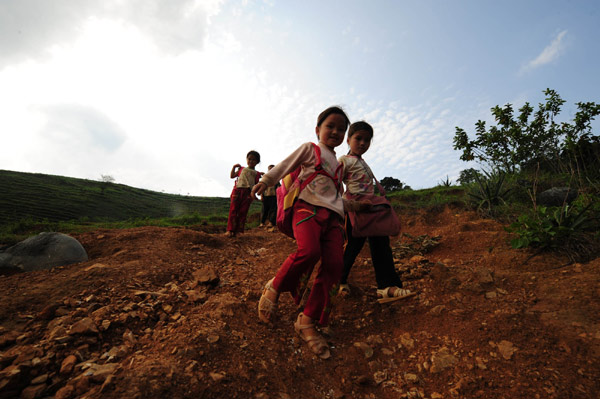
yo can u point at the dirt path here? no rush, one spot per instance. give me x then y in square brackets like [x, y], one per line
[167, 312]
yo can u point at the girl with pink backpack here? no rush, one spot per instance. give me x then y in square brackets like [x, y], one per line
[316, 218]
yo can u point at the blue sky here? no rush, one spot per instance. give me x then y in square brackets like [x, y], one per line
[169, 95]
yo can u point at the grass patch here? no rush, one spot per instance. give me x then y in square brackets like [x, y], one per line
[436, 198]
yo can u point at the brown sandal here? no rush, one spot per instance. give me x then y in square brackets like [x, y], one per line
[316, 343]
[266, 307]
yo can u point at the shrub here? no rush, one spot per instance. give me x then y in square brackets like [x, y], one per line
[569, 229]
[535, 137]
[445, 182]
[491, 190]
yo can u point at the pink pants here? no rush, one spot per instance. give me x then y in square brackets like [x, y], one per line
[319, 234]
[240, 204]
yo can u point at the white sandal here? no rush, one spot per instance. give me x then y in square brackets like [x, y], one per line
[316, 343]
[385, 296]
[266, 307]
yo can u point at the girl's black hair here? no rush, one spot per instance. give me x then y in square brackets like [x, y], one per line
[358, 126]
[329, 111]
[255, 154]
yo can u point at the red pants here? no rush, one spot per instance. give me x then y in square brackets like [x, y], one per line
[240, 203]
[319, 234]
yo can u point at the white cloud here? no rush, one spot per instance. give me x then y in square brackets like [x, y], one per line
[80, 128]
[174, 25]
[549, 54]
[413, 143]
[30, 28]
[110, 102]
[168, 95]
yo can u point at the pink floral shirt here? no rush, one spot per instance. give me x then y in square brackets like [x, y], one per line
[357, 175]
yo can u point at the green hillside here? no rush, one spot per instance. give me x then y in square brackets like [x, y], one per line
[38, 196]
[33, 202]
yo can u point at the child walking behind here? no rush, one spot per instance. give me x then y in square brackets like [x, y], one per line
[240, 196]
[358, 179]
[317, 216]
[269, 205]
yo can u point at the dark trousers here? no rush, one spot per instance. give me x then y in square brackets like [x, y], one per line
[269, 209]
[381, 255]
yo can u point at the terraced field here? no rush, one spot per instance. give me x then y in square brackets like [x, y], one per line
[58, 198]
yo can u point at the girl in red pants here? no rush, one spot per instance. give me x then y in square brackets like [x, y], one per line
[317, 217]
[240, 196]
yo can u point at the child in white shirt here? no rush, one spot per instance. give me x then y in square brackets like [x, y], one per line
[240, 195]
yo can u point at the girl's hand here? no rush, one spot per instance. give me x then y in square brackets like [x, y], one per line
[258, 189]
[234, 170]
[357, 206]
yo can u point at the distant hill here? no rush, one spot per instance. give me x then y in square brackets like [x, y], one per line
[58, 198]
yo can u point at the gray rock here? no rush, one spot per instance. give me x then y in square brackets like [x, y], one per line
[4, 258]
[44, 251]
[556, 196]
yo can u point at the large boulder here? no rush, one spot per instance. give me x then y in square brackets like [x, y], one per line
[556, 196]
[44, 251]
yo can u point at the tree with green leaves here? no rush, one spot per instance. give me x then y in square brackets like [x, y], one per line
[517, 142]
[467, 176]
[391, 184]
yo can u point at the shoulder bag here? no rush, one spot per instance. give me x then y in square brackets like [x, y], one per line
[380, 219]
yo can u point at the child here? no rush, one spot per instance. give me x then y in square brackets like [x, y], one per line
[240, 196]
[358, 179]
[317, 215]
[269, 204]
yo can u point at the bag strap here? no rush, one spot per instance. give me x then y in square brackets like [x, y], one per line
[237, 176]
[370, 174]
[257, 177]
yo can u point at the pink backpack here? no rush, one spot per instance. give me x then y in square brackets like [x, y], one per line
[291, 186]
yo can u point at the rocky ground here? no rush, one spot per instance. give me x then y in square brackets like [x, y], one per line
[170, 312]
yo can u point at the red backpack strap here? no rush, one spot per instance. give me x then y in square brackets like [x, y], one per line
[338, 176]
[239, 172]
[320, 171]
[317, 155]
[237, 175]
[318, 167]
[257, 177]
